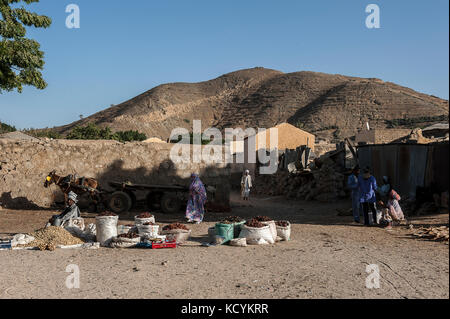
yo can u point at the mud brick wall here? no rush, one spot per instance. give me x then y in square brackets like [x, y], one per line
[24, 166]
[389, 135]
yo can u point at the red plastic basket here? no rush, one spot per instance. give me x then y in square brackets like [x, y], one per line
[170, 244]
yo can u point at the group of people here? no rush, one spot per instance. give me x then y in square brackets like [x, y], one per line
[366, 195]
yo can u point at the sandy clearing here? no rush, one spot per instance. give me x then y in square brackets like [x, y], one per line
[327, 258]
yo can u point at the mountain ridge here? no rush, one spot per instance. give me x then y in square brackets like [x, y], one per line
[332, 105]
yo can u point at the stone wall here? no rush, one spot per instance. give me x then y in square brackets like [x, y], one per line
[24, 166]
[380, 136]
[389, 135]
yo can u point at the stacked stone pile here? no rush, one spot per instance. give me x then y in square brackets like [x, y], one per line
[324, 182]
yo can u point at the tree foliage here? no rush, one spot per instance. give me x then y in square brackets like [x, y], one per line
[21, 60]
[47, 132]
[5, 128]
[94, 132]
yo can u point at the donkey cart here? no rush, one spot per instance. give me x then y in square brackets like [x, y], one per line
[168, 199]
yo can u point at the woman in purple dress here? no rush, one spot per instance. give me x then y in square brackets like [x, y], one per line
[197, 198]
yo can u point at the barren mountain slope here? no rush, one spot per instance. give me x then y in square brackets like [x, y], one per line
[261, 97]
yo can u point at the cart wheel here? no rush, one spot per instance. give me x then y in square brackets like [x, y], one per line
[133, 199]
[153, 200]
[170, 204]
[120, 202]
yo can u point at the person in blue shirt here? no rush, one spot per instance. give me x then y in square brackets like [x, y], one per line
[352, 183]
[367, 188]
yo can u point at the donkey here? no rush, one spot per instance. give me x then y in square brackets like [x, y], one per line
[78, 185]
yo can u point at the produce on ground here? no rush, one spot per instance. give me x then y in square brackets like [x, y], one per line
[107, 213]
[175, 226]
[51, 237]
[149, 224]
[263, 218]
[232, 220]
[145, 215]
[254, 223]
[433, 233]
[282, 223]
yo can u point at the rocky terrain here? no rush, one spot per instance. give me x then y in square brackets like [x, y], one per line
[325, 104]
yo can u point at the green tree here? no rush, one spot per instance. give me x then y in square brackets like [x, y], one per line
[94, 132]
[5, 128]
[21, 60]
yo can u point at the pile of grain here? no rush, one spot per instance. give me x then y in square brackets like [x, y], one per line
[51, 237]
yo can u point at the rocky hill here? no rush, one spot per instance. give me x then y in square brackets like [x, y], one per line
[325, 104]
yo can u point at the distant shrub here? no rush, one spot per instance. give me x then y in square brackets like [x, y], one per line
[191, 139]
[410, 122]
[48, 133]
[5, 128]
[94, 132]
[300, 124]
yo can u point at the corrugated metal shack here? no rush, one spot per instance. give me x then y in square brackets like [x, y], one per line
[408, 165]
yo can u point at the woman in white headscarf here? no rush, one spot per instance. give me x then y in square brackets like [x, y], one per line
[246, 185]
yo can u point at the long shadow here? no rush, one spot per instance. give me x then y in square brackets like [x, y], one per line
[19, 203]
[165, 174]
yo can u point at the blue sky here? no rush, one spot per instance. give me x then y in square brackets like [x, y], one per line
[124, 48]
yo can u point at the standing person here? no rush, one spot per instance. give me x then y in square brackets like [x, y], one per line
[367, 187]
[246, 185]
[352, 183]
[71, 211]
[195, 210]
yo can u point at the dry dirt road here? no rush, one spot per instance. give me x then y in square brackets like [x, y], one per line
[326, 258]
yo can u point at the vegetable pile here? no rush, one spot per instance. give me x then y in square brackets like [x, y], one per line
[107, 213]
[282, 223]
[145, 215]
[175, 226]
[263, 218]
[231, 220]
[129, 235]
[254, 223]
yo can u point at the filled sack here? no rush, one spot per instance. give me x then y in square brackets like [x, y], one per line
[21, 239]
[238, 242]
[178, 235]
[284, 232]
[124, 242]
[273, 228]
[254, 235]
[75, 226]
[106, 227]
[150, 231]
[141, 221]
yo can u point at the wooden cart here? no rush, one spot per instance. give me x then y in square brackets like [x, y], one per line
[168, 198]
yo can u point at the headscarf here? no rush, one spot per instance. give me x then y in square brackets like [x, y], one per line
[197, 186]
[393, 195]
[73, 197]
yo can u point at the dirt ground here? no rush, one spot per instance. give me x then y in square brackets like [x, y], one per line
[326, 258]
